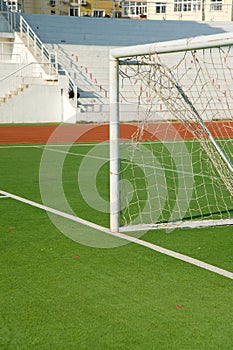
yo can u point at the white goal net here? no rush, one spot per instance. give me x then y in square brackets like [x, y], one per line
[173, 167]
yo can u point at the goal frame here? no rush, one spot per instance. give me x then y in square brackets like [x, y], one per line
[181, 45]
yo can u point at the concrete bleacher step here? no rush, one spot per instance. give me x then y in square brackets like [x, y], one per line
[22, 87]
[88, 67]
[13, 93]
[8, 95]
[91, 76]
[77, 72]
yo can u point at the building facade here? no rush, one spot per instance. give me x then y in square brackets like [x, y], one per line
[197, 10]
[95, 8]
[193, 10]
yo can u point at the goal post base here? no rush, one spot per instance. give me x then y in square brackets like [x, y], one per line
[177, 224]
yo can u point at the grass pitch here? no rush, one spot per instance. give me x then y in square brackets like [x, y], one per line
[58, 294]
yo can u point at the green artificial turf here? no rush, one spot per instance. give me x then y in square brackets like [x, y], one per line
[57, 294]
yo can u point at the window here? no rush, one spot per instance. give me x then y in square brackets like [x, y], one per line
[160, 7]
[98, 13]
[187, 5]
[132, 8]
[75, 11]
[216, 5]
[13, 6]
[53, 3]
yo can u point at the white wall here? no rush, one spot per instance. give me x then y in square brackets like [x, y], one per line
[43, 101]
[35, 104]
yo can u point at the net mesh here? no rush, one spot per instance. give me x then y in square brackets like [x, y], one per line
[177, 166]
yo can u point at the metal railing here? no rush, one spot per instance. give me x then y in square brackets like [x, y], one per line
[45, 57]
[35, 44]
[18, 23]
[10, 58]
[25, 74]
[13, 52]
[69, 86]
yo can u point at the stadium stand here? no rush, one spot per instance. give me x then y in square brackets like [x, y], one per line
[113, 32]
[81, 45]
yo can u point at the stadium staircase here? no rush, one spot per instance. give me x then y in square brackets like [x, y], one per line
[29, 87]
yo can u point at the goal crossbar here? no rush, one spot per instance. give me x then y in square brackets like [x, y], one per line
[192, 43]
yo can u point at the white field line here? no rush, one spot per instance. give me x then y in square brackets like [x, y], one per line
[77, 144]
[154, 247]
[147, 166]
[54, 211]
[72, 153]
[87, 144]
[104, 158]
[18, 146]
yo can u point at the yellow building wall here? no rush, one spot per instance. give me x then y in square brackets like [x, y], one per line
[108, 6]
[63, 8]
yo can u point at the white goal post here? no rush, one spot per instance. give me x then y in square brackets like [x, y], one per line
[176, 167]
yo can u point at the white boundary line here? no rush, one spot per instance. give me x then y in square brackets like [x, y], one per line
[87, 144]
[154, 247]
[55, 211]
[18, 146]
[45, 147]
[147, 166]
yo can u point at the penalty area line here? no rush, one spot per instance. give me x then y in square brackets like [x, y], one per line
[131, 239]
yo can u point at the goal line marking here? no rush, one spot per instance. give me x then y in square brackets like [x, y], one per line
[138, 241]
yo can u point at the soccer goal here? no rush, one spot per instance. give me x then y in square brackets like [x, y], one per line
[176, 99]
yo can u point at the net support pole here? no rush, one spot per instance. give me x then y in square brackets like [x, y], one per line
[114, 141]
